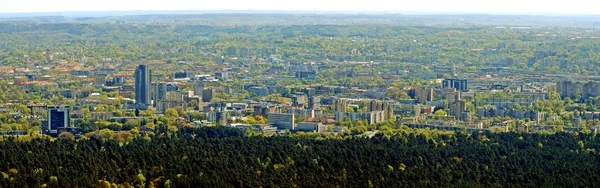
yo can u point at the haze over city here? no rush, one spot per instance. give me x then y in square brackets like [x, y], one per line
[550, 7]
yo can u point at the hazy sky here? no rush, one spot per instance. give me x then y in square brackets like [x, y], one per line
[471, 6]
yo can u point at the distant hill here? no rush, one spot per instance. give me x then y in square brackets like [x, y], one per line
[236, 17]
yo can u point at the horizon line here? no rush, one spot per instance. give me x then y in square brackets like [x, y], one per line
[266, 11]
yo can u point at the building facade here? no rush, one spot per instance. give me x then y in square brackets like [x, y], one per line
[58, 118]
[458, 84]
[142, 86]
[282, 121]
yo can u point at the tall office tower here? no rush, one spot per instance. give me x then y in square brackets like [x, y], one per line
[142, 86]
[58, 118]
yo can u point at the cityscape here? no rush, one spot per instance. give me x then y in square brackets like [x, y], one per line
[299, 99]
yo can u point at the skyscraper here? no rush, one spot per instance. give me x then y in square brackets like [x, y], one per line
[58, 118]
[142, 86]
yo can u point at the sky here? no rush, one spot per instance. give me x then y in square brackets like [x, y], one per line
[426, 6]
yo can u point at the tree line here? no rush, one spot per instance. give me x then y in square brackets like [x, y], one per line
[226, 157]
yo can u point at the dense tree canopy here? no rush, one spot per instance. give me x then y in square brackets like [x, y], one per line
[223, 157]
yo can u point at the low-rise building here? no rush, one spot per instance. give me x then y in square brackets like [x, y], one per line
[310, 127]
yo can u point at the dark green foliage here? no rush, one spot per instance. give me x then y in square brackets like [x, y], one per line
[222, 157]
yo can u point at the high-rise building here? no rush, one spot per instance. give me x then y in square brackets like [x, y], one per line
[142, 86]
[457, 108]
[231, 51]
[298, 100]
[458, 84]
[311, 92]
[370, 117]
[198, 88]
[306, 75]
[339, 106]
[388, 111]
[314, 102]
[207, 95]
[244, 52]
[58, 118]
[413, 92]
[222, 75]
[159, 92]
[465, 116]
[590, 89]
[375, 105]
[218, 117]
[425, 95]
[100, 80]
[566, 89]
[451, 95]
[282, 121]
[260, 110]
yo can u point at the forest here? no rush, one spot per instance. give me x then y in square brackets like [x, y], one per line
[228, 157]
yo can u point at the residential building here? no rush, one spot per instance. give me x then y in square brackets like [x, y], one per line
[102, 115]
[298, 100]
[259, 90]
[184, 74]
[100, 80]
[159, 92]
[222, 75]
[590, 90]
[458, 84]
[457, 108]
[314, 102]
[263, 110]
[217, 117]
[207, 95]
[308, 75]
[569, 89]
[302, 112]
[451, 95]
[425, 95]
[339, 105]
[198, 87]
[68, 93]
[370, 117]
